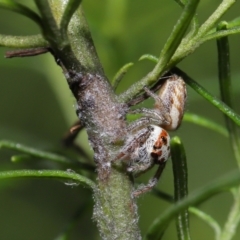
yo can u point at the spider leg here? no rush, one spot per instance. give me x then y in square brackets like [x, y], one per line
[152, 94]
[152, 182]
[142, 123]
[138, 99]
[163, 118]
[133, 143]
[162, 106]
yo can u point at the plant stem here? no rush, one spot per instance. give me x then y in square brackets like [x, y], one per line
[114, 212]
[102, 115]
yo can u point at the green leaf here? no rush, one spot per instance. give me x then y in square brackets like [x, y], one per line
[43, 154]
[167, 52]
[33, 41]
[71, 7]
[19, 8]
[57, 174]
[208, 219]
[205, 122]
[212, 20]
[120, 74]
[225, 82]
[180, 174]
[208, 96]
[199, 196]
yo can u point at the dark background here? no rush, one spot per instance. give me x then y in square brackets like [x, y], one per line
[37, 108]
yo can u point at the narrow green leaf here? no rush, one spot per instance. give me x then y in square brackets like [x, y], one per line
[20, 158]
[19, 8]
[70, 9]
[120, 74]
[33, 41]
[219, 34]
[50, 28]
[204, 93]
[33, 152]
[43, 154]
[224, 76]
[231, 24]
[180, 174]
[208, 96]
[234, 23]
[208, 219]
[175, 37]
[233, 218]
[205, 122]
[194, 24]
[167, 52]
[221, 184]
[149, 57]
[58, 174]
[214, 18]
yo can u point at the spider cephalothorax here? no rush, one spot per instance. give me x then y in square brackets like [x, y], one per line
[148, 142]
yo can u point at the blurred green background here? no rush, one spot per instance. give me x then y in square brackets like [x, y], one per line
[37, 108]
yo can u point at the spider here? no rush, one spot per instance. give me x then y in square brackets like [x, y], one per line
[148, 142]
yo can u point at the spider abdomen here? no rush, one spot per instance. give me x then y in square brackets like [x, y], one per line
[173, 95]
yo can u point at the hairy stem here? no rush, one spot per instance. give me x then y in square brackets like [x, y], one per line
[98, 110]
